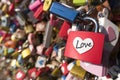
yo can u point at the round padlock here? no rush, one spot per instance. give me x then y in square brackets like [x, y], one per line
[47, 4]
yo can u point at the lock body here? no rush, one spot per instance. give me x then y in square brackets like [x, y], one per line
[86, 46]
[63, 11]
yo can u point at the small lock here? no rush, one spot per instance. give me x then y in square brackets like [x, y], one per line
[84, 2]
[47, 4]
[63, 30]
[18, 35]
[5, 8]
[25, 53]
[39, 12]
[41, 61]
[20, 75]
[114, 71]
[5, 21]
[10, 44]
[83, 43]
[78, 71]
[56, 72]
[28, 29]
[72, 77]
[63, 11]
[31, 18]
[34, 5]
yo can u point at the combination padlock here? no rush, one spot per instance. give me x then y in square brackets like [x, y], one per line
[84, 45]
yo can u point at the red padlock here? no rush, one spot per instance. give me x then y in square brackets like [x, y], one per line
[63, 31]
[84, 45]
[20, 75]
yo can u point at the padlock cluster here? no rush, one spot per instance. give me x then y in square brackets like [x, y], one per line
[59, 40]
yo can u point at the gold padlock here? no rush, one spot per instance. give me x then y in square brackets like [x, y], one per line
[28, 28]
[47, 4]
[5, 51]
[77, 62]
[56, 72]
[15, 54]
[78, 71]
[5, 8]
[26, 52]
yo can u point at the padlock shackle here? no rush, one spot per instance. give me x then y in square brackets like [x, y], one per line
[95, 22]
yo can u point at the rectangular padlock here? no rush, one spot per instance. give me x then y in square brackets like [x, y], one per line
[31, 17]
[78, 71]
[63, 11]
[72, 77]
[84, 45]
[63, 33]
[79, 2]
[41, 61]
[33, 6]
[48, 35]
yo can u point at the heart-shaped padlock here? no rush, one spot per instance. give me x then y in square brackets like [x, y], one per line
[84, 45]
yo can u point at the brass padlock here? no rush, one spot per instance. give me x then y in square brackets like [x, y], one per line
[56, 72]
[28, 28]
[78, 71]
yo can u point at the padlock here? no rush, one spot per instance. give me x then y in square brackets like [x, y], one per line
[13, 63]
[20, 59]
[47, 4]
[10, 44]
[59, 56]
[41, 61]
[18, 35]
[64, 68]
[47, 36]
[39, 12]
[13, 28]
[33, 6]
[78, 72]
[40, 49]
[35, 39]
[34, 73]
[40, 26]
[48, 51]
[2, 49]
[20, 75]
[31, 18]
[72, 77]
[25, 53]
[5, 8]
[56, 72]
[84, 46]
[114, 71]
[20, 18]
[109, 29]
[63, 30]
[11, 9]
[28, 28]
[63, 11]
[84, 2]
[5, 21]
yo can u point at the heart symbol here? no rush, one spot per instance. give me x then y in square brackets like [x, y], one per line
[82, 46]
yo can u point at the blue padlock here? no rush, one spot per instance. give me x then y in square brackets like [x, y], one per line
[63, 11]
[12, 28]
